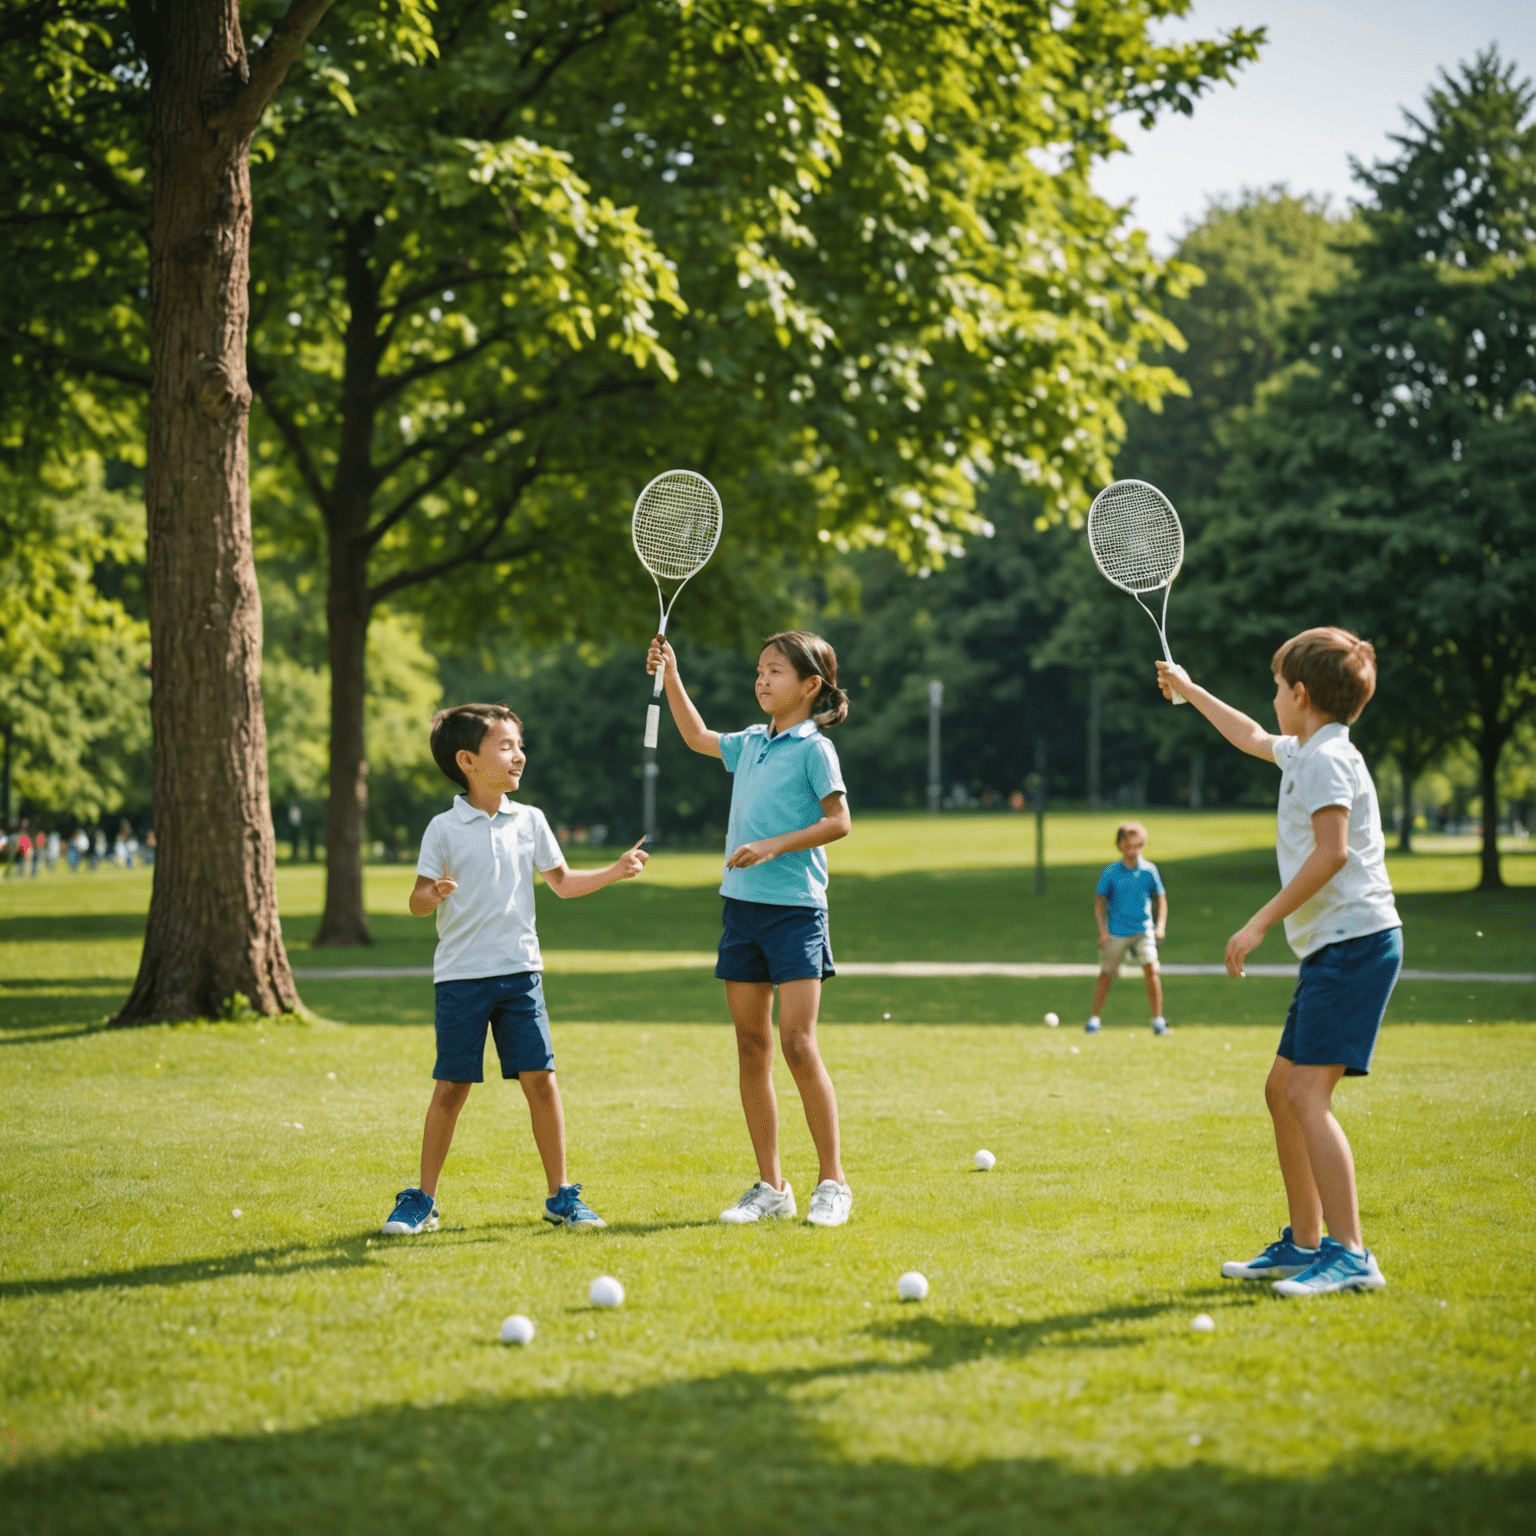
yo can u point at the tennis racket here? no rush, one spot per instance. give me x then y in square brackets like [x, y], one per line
[1138, 544]
[676, 526]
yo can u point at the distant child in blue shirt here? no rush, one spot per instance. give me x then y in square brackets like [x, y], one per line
[1129, 893]
[475, 871]
[787, 803]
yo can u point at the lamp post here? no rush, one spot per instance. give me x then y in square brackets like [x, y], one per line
[935, 777]
[1034, 787]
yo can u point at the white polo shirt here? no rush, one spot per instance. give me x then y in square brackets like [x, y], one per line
[486, 927]
[1326, 771]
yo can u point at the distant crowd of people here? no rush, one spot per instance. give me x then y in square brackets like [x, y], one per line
[26, 851]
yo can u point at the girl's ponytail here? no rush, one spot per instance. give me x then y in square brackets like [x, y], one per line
[811, 656]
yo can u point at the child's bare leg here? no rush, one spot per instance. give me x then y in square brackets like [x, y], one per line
[1154, 989]
[543, 1095]
[1301, 1197]
[437, 1135]
[751, 1005]
[1101, 991]
[1309, 1094]
[799, 1003]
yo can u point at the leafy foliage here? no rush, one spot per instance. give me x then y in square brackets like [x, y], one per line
[74, 661]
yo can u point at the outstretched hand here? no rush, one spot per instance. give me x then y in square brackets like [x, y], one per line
[1170, 677]
[632, 861]
[660, 652]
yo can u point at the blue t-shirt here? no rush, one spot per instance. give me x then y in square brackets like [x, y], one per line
[1130, 893]
[780, 784]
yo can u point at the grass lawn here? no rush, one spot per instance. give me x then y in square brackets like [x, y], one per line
[170, 1366]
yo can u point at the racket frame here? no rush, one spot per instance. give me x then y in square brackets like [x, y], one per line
[664, 603]
[1160, 624]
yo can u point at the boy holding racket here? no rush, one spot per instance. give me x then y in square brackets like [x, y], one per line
[787, 803]
[1341, 921]
[475, 871]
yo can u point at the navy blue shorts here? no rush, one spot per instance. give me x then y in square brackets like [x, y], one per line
[764, 942]
[512, 1007]
[1341, 995]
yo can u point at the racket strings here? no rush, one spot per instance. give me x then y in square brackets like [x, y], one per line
[677, 525]
[1135, 537]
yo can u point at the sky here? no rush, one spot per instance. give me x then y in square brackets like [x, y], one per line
[1331, 82]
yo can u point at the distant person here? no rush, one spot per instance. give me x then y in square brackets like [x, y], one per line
[52, 850]
[149, 846]
[1342, 922]
[1131, 909]
[79, 846]
[26, 851]
[788, 802]
[98, 847]
[475, 870]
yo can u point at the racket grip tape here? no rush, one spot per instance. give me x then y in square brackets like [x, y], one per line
[652, 724]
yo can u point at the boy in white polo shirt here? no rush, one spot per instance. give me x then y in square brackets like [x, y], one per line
[475, 871]
[1342, 923]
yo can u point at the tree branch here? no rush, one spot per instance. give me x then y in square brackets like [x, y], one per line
[288, 430]
[391, 384]
[122, 373]
[96, 173]
[471, 552]
[269, 68]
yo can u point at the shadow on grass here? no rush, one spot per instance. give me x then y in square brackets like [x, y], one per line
[742, 1453]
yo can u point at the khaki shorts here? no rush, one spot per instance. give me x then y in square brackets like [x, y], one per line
[1132, 949]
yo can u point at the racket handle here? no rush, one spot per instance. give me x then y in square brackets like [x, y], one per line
[652, 724]
[1178, 698]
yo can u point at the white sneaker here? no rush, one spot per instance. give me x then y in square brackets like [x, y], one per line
[760, 1202]
[830, 1204]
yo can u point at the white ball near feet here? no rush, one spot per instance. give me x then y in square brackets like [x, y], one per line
[517, 1330]
[1053, 1019]
[605, 1291]
[912, 1286]
[984, 1160]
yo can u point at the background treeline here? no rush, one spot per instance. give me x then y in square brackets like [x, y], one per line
[1355, 445]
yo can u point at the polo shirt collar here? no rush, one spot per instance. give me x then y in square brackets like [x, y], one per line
[805, 728]
[1329, 732]
[467, 812]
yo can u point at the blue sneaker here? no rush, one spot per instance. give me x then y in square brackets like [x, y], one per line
[568, 1209]
[1092, 1026]
[415, 1211]
[1335, 1269]
[1278, 1262]
[1160, 1026]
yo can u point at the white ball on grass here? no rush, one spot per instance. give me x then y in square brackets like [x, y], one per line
[605, 1291]
[1203, 1323]
[912, 1286]
[984, 1160]
[517, 1330]
[1053, 1019]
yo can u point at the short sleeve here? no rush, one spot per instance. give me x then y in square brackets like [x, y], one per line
[823, 770]
[1157, 879]
[1284, 749]
[429, 861]
[1106, 886]
[546, 846]
[731, 744]
[1328, 779]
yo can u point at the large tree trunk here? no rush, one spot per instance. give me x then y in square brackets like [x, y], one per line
[348, 602]
[213, 928]
[1490, 746]
[1405, 767]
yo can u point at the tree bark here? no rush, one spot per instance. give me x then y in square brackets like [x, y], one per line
[213, 927]
[349, 604]
[1490, 746]
[1405, 768]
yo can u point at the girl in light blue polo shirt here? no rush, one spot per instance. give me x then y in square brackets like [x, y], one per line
[787, 803]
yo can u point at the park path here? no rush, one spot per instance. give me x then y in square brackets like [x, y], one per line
[1019, 970]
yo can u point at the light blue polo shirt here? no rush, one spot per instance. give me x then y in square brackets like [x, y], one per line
[1129, 893]
[780, 783]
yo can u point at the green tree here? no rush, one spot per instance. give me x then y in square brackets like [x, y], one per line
[1389, 482]
[74, 658]
[843, 258]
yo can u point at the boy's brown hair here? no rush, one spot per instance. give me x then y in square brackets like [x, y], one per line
[1126, 828]
[462, 729]
[1338, 668]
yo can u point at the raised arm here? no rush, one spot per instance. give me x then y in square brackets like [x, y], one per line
[690, 723]
[1244, 734]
